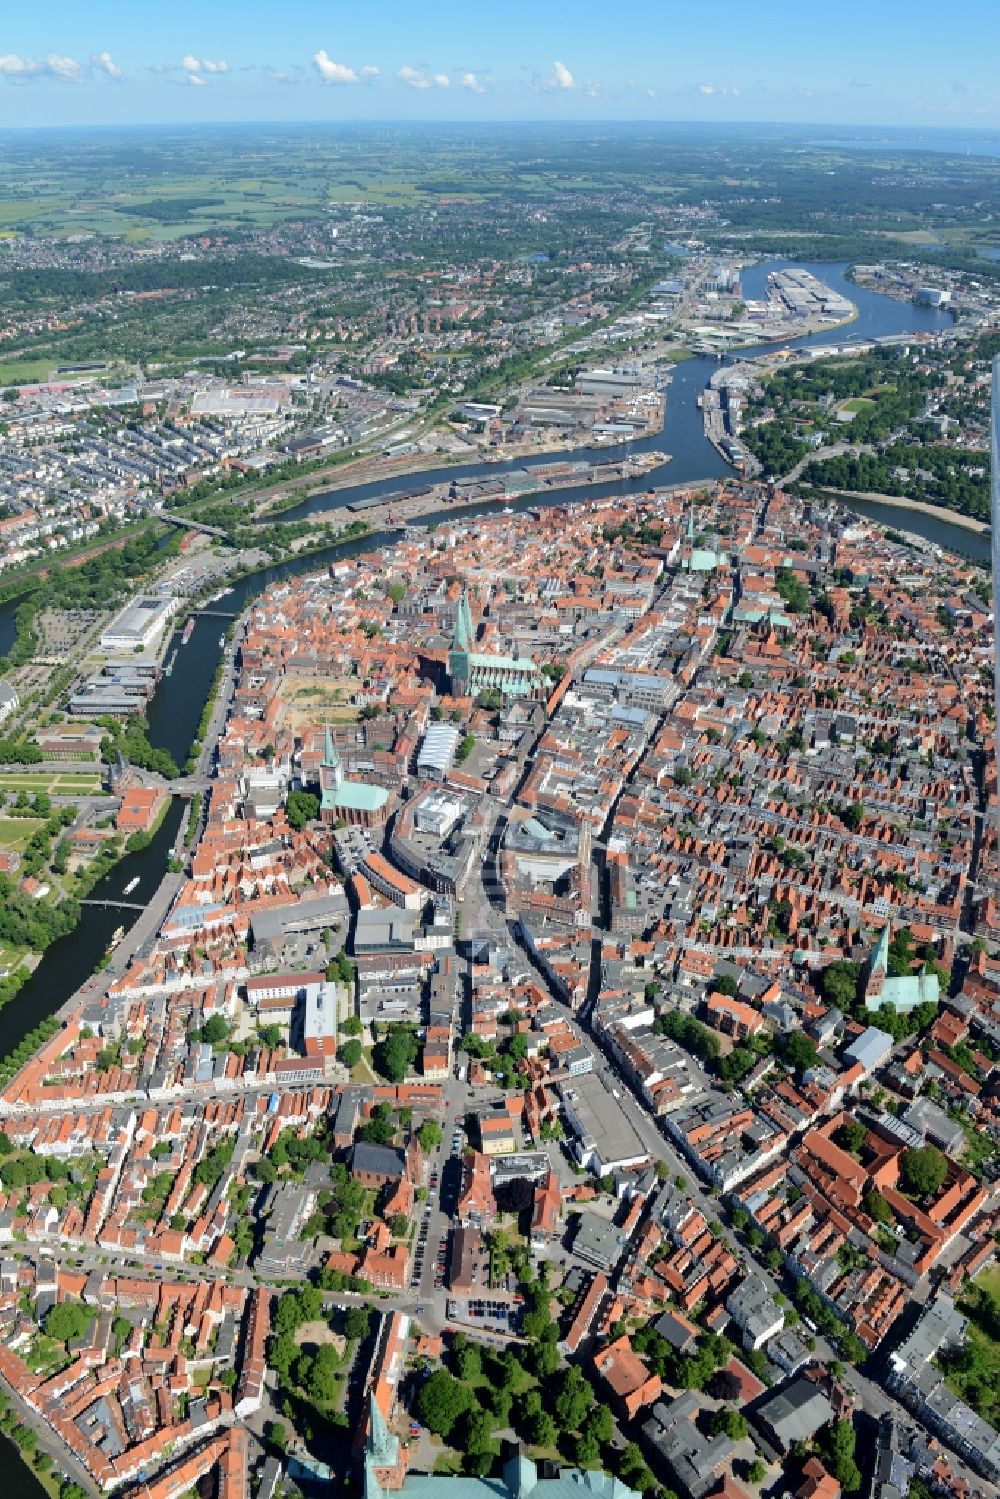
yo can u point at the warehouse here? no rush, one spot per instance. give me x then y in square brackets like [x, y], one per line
[138, 625]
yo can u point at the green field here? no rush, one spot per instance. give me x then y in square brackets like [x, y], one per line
[859, 403]
[15, 832]
[54, 783]
[23, 371]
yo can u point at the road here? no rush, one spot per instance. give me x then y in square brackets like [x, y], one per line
[835, 450]
[487, 902]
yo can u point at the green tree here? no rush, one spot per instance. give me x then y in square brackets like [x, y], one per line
[923, 1169]
[542, 1429]
[573, 1400]
[587, 1450]
[733, 1423]
[599, 1424]
[875, 1205]
[429, 1134]
[478, 1430]
[275, 1434]
[302, 807]
[395, 1055]
[799, 1051]
[215, 1030]
[320, 1384]
[851, 1136]
[441, 1401]
[351, 1053]
[468, 1362]
[67, 1320]
[357, 1322]
[840, 1442]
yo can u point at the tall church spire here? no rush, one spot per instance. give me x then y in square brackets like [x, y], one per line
[382, 1447]
[385, 1460]
[462, 638]
[461, 643]
[331, 772]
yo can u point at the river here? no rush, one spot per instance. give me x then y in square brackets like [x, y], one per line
[176, 707]
[68, 962]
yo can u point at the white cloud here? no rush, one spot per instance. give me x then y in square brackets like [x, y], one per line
[53, 65]
[472, 83]
[412, 78]
[12, 66]
[370, 71]
[560, 77]
[718, 88]
[103, 62]
[196, 79]
[66, 68]
[196, 65]
[333, 72]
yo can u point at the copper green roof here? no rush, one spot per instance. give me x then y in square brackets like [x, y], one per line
[354, 796]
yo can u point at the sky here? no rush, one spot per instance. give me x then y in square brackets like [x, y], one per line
[907, 63]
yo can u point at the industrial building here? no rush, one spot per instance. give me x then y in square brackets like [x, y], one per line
[605, 1138]
[140, 623]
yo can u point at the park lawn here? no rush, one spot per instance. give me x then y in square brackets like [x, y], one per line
[447, 1464]
[12, 953]
[52, 782]
[858, 403]
[23, 371]
[15, 832]
[989, 1280]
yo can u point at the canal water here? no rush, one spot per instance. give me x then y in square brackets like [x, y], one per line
[68, 962]
[176, 707]
[8, 627]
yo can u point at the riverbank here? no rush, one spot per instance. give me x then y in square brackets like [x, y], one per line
[898, 502]
[414, 466]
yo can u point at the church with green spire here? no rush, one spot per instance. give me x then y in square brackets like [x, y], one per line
[385, 1473]
[699, 559]
[903, 992]
[341, 800]
[459, 655]
[471, 672]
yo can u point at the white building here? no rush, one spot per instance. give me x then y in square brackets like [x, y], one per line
[755, 1312]
[9, 701]
[140, 623]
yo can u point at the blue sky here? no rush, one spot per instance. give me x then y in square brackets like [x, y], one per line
[911, 63]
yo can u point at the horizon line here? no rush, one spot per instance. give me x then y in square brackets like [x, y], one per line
[547, 122]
